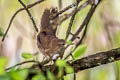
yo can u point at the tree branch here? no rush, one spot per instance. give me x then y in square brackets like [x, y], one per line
[97, 59]
[92, 61]
[29, 14]
[31, 61]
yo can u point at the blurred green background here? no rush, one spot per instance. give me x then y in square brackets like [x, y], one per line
[103, 33]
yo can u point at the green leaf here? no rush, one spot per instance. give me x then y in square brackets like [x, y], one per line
[27, 55]
[3, 63]
[23, 73]
[79, 51]
[50, 75]
[60, 72]
[39, 77]
[61, 63]
[15, 75]
[12, 69]
[65, 78]
[69, 42]
[69, 69]
[19, 74]
[4, 77]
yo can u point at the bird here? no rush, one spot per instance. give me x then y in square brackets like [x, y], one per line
[47, 41]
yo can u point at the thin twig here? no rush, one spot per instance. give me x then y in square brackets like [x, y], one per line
[31, 61]
[66, 16]
[19, 10]
[72, 13]
[76, 35]
[86, 26]
[63, 10]
[74, 76]
[71, 22]
[83, 36]
[86, 20]
[67, 8]
[29, 14]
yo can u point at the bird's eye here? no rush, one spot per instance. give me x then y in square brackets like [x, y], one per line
[44, 33]
[63, 43]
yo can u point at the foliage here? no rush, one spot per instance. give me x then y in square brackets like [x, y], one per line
[12, 74]
[79, 51]
[3, 63]
[27, 56]
[22, 74]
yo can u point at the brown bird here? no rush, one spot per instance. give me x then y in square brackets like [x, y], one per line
[47, 41]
